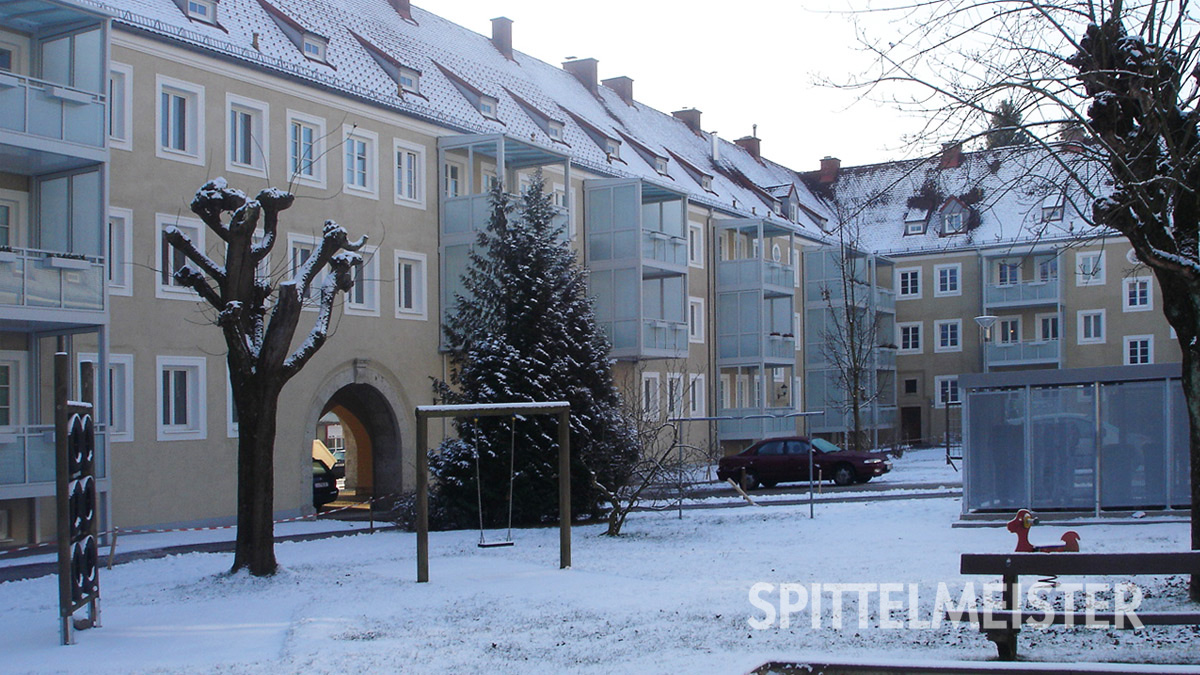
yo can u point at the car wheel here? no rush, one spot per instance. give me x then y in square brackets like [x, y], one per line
[843, 474]
[749, 480]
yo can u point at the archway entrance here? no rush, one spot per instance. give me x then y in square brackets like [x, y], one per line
[358, 424]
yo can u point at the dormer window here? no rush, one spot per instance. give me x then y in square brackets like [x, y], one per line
[314, 47]
[952, 223]
[660, 165]
[612, 148]
[1052, 208]
[554, 130]
[487, 107]
[914, 221]
[793, 211]
[706, 183]
[202, 10]
[409, 80]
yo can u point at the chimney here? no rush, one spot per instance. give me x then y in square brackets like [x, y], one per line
[716, 146]
[690, 117]
[402, 7]
[502, 36]
[584, 70]
[623, 86]
[951, 155]
[830, 166]
[750, 144]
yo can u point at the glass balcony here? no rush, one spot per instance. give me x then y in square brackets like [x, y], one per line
[885, 300]
[1022, 293]
[781, 347]
[761, 423]
[1022, 353]
[735, 274]
[39, 108]
[32, 278]
[668, 336]
[658, 247]
[27, 455]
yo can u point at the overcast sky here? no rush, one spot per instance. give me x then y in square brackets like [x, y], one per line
[741, 62]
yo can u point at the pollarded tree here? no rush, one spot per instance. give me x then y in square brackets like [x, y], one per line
[1124, 77]
[261, 358]
[524, 330]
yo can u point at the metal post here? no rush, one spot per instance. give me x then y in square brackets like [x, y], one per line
[62, 387]
[422, 498]
[564, 489]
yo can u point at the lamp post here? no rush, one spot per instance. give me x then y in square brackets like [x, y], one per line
[985, 321]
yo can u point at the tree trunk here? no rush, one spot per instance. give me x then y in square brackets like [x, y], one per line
[255, 545]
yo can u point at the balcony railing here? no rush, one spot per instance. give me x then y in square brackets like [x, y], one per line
[1022, 293]
[745, 274]
[1022, 352]
[27, 455]
[659, 335]
[885, 300]
[39, 108]
[32, 278]
[761, 423]
[781, 347]
[664, 248]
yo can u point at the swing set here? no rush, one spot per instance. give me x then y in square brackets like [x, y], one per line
[426, 412]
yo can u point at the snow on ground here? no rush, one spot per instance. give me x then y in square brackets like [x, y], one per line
[672, 595]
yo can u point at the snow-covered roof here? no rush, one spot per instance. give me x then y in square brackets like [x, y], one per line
[448, 56]
[1004, 192]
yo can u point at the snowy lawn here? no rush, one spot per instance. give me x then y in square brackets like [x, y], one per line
[670, 596]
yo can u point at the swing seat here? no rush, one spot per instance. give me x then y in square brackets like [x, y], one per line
[495, 544]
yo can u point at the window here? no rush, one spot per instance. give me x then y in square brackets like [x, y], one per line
[1139, 349]
[650, 398]
[1091, 326]
[1047, 325]
[12, 370]
[202, 10]
[695, 245]
[612, 148]
[410, 285]
[410, 174]
[554, 130]
[1048, 269]
[661, 165]
[181, 398]
[1009, 330]
[487, 107]
[6, 59]
[1089, 268]
[706, 183]
[180, 120]
[120, 106]
[797, 393]
[947, 280]
[306, 148]
[12, 216]
[915, 226]
[1052, 208]
[909, 283]
[952, 223]
[247, 134]
[171, 260]
[361, 146]
[120, 244]
[696, 320]
[231, 413]
[696, 407]
[1137, 295]
[1008, 273]
[119, 394]
[409, 80]
[947, 390]
[6, 224]
[452, 174]
[300, 249]
[910, 385]
[909, 337]
[314, 47]
[363, 298]
[674, 395]
[949, 335]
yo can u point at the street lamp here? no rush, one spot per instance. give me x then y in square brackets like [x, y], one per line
[985, 322]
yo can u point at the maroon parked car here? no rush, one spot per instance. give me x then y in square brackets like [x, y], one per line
[781, 460]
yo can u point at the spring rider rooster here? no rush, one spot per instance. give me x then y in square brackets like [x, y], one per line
[1020, 526]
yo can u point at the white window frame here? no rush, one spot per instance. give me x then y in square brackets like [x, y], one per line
[1001, 334]
[120, 106]
[901, 272]
[953, 223]
[939, 400]
[119, 256]
[554, 129]
[413, 87]
[317, 124]
[938, 347]
[726, 392]
[120, 371]
[420, 294]
[695, 320]
[197, 427]
[195, 229]
[259, 114]
[650, 396]
[1040, 324]
[1081, 264]
[900, 326]
[797, 393]
[1081, 324]
[1127, 285]
[1047, 270]
[299, 241]
[194, 142]
[695, 245]
[18, 396]
[320, 47]
[675, 395]
[489, 107]
[938, 270]
[1128, 341]
[458, 181]
[370, 141]
[1008, 273]
[366, 274]
[210, 10]
[18, 225]
[417, 152]
[696, 396]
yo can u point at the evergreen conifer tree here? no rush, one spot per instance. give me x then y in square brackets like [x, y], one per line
[524, 330]
[1007, 128]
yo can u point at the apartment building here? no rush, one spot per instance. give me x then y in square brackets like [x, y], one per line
[54, 180]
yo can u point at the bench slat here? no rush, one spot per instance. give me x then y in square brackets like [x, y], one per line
[1181, 562]
[1006, 618]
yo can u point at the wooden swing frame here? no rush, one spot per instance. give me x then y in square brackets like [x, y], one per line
[425, 412]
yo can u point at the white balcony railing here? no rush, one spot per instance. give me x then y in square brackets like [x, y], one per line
[745, 274]
[659, 335]
[27, 455]
[1024, 292]
[40, 108]
[33, 278]
[1022, 352]
[664, 248]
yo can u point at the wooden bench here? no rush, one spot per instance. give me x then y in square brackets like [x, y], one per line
[1001, 626]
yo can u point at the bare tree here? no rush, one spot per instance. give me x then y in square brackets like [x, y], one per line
[1124, 78]
[261, 357]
